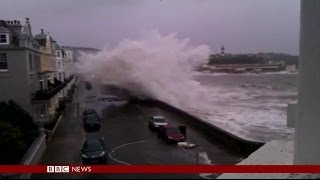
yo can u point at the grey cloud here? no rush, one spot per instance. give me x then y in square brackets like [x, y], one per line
[242, 26]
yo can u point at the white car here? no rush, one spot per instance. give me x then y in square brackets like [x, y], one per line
[109, 98]
[186, 145]
[156, 121]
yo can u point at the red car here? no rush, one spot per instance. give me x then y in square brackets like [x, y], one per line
[171, 134]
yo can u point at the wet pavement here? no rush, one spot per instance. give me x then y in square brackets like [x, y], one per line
[128, 139]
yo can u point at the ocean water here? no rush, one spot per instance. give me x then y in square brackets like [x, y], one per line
[252, 106]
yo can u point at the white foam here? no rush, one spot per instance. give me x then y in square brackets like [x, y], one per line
[154, 65]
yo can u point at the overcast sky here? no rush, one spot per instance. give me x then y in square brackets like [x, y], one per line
[242, 26]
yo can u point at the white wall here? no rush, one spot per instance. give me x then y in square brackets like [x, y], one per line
[307, 146]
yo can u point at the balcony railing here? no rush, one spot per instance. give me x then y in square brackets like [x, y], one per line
[52, 91]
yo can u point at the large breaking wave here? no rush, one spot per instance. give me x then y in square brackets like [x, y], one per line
[154, 65]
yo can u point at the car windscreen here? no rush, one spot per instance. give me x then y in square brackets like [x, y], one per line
[91, 118]
[160, 120]
[173, 130]
[89, 111]
[92, 145]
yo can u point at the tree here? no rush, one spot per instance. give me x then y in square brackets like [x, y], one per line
[17, 117]
[12, 145]
[17, 132]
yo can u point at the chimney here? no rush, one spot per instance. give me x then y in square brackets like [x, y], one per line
[41, 31]
[14, 25]
[15, 22]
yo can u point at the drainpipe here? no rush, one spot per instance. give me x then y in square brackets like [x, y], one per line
[307, 135]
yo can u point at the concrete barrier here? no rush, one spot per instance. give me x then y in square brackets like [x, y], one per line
[50, 135]
[235, 143]
[34, 154]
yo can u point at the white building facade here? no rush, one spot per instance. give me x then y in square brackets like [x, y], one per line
[64, 66]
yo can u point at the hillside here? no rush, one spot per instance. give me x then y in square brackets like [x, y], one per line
[259, 58]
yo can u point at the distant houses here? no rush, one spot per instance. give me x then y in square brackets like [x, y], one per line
[35, 71]
[262, 62]
[78, 50]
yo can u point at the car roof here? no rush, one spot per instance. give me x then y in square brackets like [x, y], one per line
[94, 140]
[107, 96]
[170, 126]
[91, 116]
[90, 109]
[158, 117]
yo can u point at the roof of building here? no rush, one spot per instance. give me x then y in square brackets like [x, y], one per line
[42, 38]
[57, 46]
[4, 29]
[41, 35]
[82, 48]
[10, 28]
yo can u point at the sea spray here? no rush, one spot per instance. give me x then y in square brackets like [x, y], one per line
[154, 65]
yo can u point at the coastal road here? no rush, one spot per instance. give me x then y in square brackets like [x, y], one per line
[129, 141]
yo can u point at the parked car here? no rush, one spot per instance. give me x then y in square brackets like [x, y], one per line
[94, 151]
[156, 121]
[91, 122]
[171, 134]
[88, 85]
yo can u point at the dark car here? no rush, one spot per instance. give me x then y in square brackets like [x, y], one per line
[94, 151]
[171, 134]
[91, 122]
[88, 85]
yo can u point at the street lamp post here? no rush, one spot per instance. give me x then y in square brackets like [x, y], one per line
[197, 155]
[77, 97]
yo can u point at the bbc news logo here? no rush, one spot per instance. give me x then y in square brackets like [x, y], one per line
[57, 169]
[68, 169]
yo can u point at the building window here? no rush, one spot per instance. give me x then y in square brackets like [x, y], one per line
[60, 76]
[59, 65]
[53, 64]
[31, 62]
[59, 54]
[48, 81]
[29, 41]
[42, 110]
[4, 38]
[41, 83]
[3, 62]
